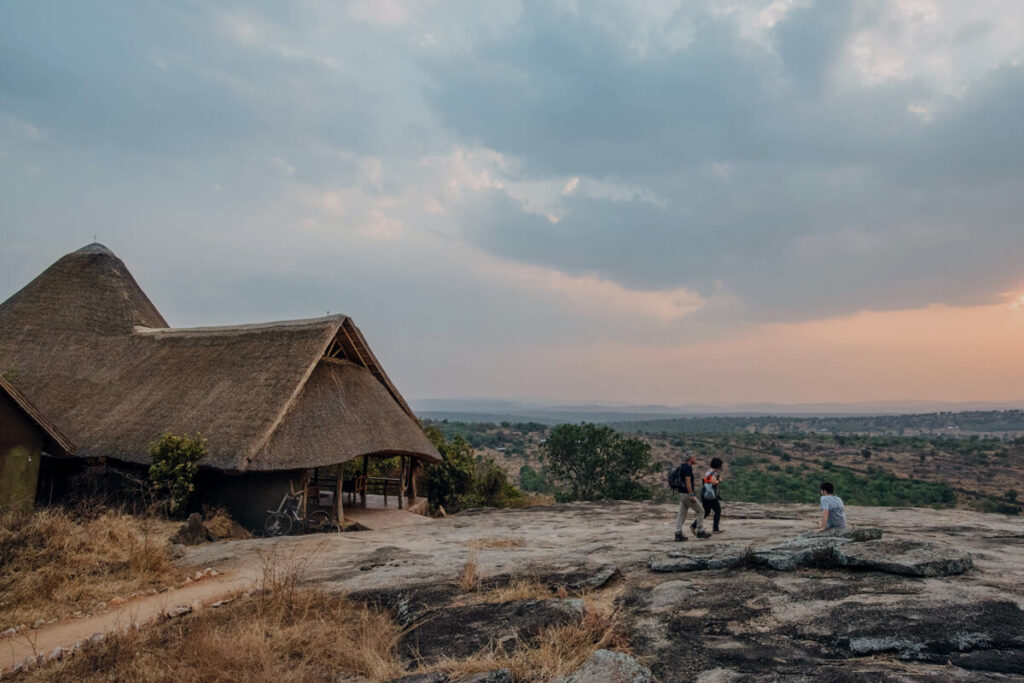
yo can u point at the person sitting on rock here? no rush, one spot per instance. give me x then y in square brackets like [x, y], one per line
[832, 514]
[688, 501]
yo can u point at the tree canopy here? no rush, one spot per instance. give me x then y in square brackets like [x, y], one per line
[593, 462]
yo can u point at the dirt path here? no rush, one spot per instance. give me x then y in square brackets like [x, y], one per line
[65, 634]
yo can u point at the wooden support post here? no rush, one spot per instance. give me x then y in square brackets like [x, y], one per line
[305, 488]
[401, 482]
[339, 511]
[411, 489]
[366, 470]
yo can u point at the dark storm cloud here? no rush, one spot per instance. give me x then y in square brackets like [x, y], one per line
[831, 196]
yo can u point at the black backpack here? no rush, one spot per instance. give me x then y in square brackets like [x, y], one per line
[675, 478]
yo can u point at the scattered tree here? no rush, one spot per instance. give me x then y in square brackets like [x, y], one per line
[596, 462]
[531, 480]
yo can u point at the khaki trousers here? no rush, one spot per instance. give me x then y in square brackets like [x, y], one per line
[687, 503]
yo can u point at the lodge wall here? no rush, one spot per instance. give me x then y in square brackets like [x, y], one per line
[21, 445]
[246, 496]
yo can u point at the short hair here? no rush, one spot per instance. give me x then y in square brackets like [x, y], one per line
[828, 488]
[716, 463]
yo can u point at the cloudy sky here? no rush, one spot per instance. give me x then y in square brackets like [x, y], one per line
[675, 201]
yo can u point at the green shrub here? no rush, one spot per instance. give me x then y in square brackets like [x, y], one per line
[174, 469]
[464, 480]
[494, 488]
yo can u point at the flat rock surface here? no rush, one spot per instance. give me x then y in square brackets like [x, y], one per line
[723, 624]
[605, 666]
[463, 631]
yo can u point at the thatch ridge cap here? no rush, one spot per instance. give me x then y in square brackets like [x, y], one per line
[94, 248]
[327, 320]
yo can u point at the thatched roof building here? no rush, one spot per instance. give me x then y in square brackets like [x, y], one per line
[95, 354]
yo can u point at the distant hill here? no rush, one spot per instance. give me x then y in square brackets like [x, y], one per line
[885, 417]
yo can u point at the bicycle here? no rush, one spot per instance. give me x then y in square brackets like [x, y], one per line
[281, 521]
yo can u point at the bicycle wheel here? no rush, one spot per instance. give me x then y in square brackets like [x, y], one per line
[278, 524]
[319, 521]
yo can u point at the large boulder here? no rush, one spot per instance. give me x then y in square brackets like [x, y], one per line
[909, 558]
[827, 550]
[852, 533]
[797, 552]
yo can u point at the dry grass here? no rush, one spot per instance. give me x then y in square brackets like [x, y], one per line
[519, 589]
[470, 578]
[54, 563]
[219, 523]
[284, 633]
[495, 542]
[273, 636]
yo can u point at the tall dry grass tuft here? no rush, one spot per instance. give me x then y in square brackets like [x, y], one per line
[54, 562]
[470, 577]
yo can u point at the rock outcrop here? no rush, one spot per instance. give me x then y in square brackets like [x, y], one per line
[465, 630]
[836, 548]
[938, 598]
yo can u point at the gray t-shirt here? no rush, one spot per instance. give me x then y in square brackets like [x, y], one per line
[836, 515]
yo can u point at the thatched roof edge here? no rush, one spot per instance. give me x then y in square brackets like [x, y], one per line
[62, 442]
[333, 331]
[379, 370]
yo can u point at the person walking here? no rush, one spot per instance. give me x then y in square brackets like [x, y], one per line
[709, 493]
[688, 501]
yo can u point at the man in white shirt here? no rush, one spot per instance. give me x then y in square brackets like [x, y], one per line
[833, 516]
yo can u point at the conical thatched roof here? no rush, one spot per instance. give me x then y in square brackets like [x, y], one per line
[88, 291]
[98, 358]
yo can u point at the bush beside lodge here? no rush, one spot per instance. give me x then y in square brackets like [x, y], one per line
[282, 404]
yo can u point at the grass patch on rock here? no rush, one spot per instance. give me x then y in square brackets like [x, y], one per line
[54, 562]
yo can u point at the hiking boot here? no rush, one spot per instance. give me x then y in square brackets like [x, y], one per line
[717, 531]
[703, 534]
[679, 536]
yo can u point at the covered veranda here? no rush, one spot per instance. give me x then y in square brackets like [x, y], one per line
[356, 491]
